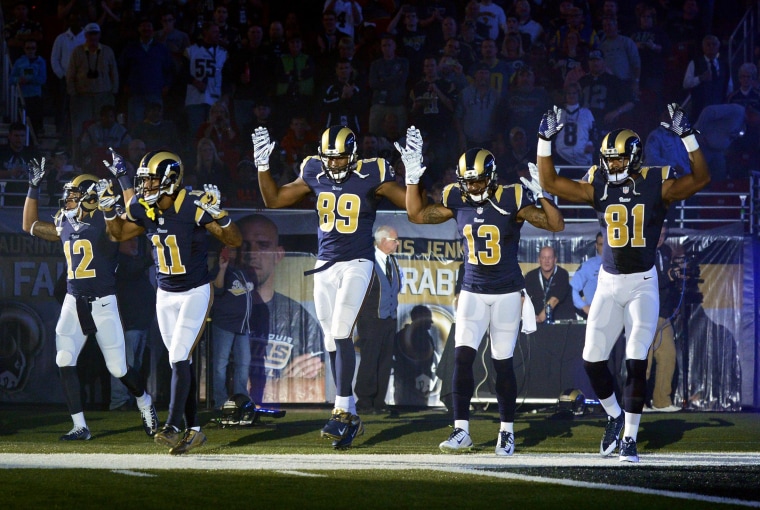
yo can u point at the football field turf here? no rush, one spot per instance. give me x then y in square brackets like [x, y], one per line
[688, 460]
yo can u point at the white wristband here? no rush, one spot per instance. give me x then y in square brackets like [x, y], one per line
[544, 148]
[690, 142]
[263, 167]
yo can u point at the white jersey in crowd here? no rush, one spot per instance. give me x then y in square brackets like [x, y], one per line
[205, 65]
[572, 140]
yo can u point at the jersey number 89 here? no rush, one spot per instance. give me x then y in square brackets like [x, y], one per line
[340, 213]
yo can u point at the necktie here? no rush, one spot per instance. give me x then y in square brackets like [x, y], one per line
[388, 268]
[713, 69]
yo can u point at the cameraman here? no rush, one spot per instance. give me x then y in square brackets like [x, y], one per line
[663, 349]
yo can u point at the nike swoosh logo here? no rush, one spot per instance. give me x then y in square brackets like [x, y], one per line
[648, 277]
[104, 304]
[342, 431]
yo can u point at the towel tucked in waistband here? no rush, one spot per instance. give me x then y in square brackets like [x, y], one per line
[84, 312]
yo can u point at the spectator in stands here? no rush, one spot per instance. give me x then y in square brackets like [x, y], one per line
[343, 102]
[221, 130]
[63, 46]
[348, 14]
[262, 116]
[575, 147]
[327, 38]
[517, 152]
[432, 112]
[155, 131]
[708, 77]
[604, 94]
[146, 70]
[526, 24]
[294, 92]
[413, 41]
[229, 36]
[526, 101]
[20, 30]
[570, 60]
[176, 42]
[654, 47]
[575, 23]
[499, 71]
[476, 114]
[473, 30]
[30, 73]
[493, 16]
[249, 74]
[744, 151]
[513, 27]
[549, 288]
[98, 137]
[621, 54]
[16, 155]
[203, 63]
[92, 80]
[209, 167]
[299, 141]
[452, 63]
[276, 45]
[387, 80]
[583, 282]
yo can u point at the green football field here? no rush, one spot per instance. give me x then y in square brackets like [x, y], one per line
[688, 460]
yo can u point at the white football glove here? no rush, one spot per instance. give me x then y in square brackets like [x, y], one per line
[262, 148]
[36, 171]
[533, 185]
[107, 199]
[411, 155]
[211, 202]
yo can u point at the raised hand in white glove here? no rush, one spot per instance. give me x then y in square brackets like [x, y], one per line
[107, 198]
[533, 184]
[118, 167]
[211, 202]
[262, 148]
[411, 155]
[36, 170]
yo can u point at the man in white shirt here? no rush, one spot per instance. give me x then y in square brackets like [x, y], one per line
[59, 61]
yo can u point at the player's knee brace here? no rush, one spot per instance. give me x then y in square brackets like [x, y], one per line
[635, 385]
[600, 378]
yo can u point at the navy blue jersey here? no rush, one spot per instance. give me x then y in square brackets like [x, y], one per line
[179, 240]
[491, 238]
[346, 211]
[631, 219]
[90, 256]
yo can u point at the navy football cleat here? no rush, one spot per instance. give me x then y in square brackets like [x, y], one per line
[611, 436]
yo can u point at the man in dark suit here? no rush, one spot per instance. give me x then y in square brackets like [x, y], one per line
[376, 326]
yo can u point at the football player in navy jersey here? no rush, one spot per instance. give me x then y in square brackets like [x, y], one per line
[347, 191]
[489, 218]
[176, 221]
[631, 202]
[90, 304]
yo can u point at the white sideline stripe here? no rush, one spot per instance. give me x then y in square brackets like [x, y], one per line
[302, 462]
[605, 486]
[298, 473]
[129, 472]
[477, 464]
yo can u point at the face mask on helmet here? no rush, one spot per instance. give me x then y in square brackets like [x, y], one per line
[621, 145]
[79, 196]
[160, 173]
[476, 175]
[337, 151]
